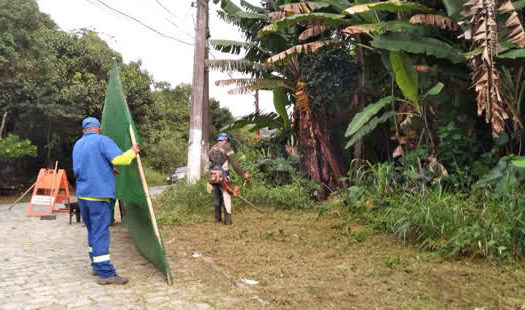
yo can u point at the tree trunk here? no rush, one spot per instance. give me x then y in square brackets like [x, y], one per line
[359, 99]
[4, 117]
[319, 160]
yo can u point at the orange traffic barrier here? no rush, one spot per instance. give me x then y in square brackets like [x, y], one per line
[51, 187]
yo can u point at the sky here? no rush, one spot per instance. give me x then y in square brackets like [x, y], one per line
[164, 59]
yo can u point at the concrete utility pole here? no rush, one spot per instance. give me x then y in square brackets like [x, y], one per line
[257, 133]
[199, 120]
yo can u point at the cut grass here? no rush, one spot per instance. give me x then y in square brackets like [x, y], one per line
[303, 260]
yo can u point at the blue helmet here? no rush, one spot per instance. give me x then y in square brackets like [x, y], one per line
[223, 136]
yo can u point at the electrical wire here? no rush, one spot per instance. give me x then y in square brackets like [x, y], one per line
[174, 16]
[143, 24]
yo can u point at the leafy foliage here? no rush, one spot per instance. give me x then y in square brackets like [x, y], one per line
[406, 75]
[417, 45]
[13, 147]
[363, 117]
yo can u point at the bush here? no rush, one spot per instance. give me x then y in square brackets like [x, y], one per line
[296, 195]
[453, 224]
[183, 202]
[13, 147]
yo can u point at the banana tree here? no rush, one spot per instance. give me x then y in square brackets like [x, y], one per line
[282, 74]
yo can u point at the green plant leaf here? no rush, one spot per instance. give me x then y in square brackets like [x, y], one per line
[418, 45]
[454, 7]
[280, 101]
[434, 90]
[239, 65]
[326, 19]
[518, 5]
[406, 75]
[270, 120]
[519, 163]
[513, 53]
[361, 118]
[368, 128]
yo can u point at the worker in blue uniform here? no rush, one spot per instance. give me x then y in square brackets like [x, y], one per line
[94, 157]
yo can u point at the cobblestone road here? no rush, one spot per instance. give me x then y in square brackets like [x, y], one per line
[44, 265]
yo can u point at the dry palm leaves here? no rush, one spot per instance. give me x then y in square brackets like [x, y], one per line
[299, 8]
[300, 49]
[313, 31]
[358, 29]
[484, 74]
[302, 102]
[279, 15]
[443, 22]
[513, 26]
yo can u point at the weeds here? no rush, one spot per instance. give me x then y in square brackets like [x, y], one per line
[450, 223]
[183, 202]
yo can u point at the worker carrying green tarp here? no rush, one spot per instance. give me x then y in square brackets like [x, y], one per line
[131, 187]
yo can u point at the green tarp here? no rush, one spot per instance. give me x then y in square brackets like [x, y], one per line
[116, 119]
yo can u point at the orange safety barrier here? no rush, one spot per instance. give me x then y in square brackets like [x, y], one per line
[51, 187]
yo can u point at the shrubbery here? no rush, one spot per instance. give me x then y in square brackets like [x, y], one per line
[266, 189]
[452, 223]
[13, 147]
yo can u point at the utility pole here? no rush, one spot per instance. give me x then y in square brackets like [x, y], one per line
[257, 133]
[205, 161]
[199, 100]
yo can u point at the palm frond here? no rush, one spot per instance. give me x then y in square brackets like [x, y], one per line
[389, 6]
[239, 65]
[301, 49]
[378, 28]
[416, 44]
[484, 74]
[258, 121]
[304, 7]
[326, 19]
[513, 26]
[442, 22]
[313, 31]
[253, 8]
[254, 84]
[253, 50]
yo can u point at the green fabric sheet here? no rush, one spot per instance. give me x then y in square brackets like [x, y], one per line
[116, 119]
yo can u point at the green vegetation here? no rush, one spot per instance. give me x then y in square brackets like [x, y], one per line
[12, 147]
[50, 80]
[153, 177]
[386, 113]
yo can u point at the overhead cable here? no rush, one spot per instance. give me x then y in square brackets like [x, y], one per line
[143, 24]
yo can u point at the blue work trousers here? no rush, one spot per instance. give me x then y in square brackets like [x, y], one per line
[97, 217]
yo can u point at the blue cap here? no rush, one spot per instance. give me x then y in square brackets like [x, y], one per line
[223, 137]
[90, 122]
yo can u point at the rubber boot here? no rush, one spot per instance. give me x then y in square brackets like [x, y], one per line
[218, 218]
[227, 218]
[116, 279]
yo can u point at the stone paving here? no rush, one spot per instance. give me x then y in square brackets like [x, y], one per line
[44, 265]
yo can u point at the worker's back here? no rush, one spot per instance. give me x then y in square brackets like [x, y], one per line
[92, 155]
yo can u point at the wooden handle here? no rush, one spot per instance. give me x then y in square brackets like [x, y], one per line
[146, 191]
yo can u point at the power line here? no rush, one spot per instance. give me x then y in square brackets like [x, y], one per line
[143, 24]
[174, 16]
[183, 31]
[167, 10]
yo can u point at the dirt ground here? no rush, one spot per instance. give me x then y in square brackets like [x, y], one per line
[309, 262]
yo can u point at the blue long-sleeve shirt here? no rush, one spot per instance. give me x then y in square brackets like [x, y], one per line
[92, 166]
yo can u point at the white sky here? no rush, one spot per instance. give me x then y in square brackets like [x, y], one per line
[164, 59]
